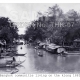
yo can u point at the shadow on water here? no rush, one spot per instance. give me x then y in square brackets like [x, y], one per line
[48, 63]
[8, 70]
[15, 70]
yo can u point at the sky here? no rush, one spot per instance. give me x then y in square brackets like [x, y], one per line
[23, 13]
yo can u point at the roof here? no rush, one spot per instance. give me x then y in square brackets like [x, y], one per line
[77, 40]
[1, 43]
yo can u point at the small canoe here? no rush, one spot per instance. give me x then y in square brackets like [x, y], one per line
[10, 65]
[72, 53]
[15, 54]
[40, 54]
[8, 70]
[8, 62]
[11, 50]
[19, 54]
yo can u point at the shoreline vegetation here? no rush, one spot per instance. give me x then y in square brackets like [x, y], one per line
[54, 27]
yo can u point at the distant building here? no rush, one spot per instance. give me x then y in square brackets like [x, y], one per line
[76, 43]
[2, 43]
[21, 36]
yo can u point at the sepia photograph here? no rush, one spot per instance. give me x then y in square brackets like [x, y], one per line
[39, 38]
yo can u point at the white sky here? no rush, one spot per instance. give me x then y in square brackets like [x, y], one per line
[26, 12]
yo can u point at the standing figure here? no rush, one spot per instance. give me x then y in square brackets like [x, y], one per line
[14, 59]
[40, 54]
[1, 50]
[21, 47]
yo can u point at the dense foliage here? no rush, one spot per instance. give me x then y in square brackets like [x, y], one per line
[56, 26]
[8, 30]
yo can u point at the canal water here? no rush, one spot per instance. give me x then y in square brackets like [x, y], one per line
[49, 63]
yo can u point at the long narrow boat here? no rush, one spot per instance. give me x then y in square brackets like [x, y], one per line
[11, 54]
[11, 65]
[11, 50]
[8, 70]
[72, 53]
[15, 54]
[70, 50]
[19, 54]
[8, 62]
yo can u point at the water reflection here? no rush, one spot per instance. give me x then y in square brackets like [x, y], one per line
[8, 70]
[49, 63]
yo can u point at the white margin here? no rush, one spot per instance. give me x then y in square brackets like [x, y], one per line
[39, 1]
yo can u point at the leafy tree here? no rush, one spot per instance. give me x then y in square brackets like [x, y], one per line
[8, 30]
[61, 35]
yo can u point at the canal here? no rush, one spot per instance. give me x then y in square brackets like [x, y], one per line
[49, 63]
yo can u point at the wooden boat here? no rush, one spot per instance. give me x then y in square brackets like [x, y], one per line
[11, 50]
[19, 54]
[8, 70]
[40, 54]
[15, 54]
[8, 62]
[72, 52]
[11, 64]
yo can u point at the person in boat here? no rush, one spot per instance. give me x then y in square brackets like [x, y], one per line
[40, 54]
[62, 53]
[21, 47]
[2, 50]
[35, 47]
[0, 55]
[14, 59]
